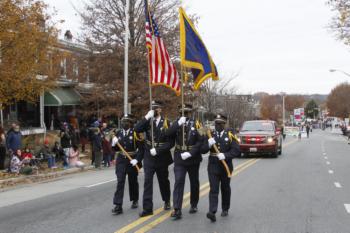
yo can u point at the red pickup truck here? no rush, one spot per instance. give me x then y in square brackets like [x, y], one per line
[260, 137]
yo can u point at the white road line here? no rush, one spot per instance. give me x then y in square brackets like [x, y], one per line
[328, 162]
[330, 171]
[324, 153]
[337, 185]
[347, 207]
[105, 182]
[325, 157]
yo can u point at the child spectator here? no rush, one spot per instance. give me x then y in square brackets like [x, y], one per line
[74, 158]
[15, 163]
[28, 158]
[26, 155]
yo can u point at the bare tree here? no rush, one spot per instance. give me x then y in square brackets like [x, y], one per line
[210, 90]
[104, 30]
[340, 22]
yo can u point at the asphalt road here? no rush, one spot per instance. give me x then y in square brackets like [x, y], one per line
[307, 189]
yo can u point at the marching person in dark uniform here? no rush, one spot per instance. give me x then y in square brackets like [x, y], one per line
[187, 158]
[157, 157]
[229, 148]
[131, 143]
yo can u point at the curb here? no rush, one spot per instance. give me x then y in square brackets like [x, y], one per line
[40, 177]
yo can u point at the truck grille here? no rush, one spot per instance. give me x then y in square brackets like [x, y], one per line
[253, 139]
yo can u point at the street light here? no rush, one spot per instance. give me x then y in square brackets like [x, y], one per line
[341, 71]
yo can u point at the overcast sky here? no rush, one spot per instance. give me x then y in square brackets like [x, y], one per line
[277, 45]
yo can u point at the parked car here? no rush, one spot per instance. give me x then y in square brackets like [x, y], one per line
[260, 137]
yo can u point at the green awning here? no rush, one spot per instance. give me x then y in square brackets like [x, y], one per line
[62, 97]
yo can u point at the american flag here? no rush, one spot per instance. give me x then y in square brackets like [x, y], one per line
[162, 70]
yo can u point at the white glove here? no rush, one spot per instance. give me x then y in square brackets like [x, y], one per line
[221, 156]
[211, 142]
[133, 162]
[149, 115]
[153, 152]
[185, 155]
[181, 121]
[114, 141]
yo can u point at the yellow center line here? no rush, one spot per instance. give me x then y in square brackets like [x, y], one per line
[203, 189]
[203, 192]
[164, 217]
[160, 210]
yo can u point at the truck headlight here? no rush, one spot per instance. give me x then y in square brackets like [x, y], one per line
[269, 139]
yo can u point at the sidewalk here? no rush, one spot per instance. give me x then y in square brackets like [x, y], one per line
[11, 180]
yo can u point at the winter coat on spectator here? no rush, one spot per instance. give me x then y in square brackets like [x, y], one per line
[66, 139]
[2, 149]
[14, 140]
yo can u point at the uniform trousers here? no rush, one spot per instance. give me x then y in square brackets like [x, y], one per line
[164, 185]
[180, 175]
[219, 180]
[122, 170]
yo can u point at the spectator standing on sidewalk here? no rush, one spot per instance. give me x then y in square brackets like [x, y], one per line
[14, 139]
[84, 135]
[97, 147]
[65, 143]
[58, 151]
[308, 130]
[2, 148]
[107, 151]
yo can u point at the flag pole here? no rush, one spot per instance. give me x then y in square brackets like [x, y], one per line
[149, 77]
[150, 101]
[182, 107]
[126, 57]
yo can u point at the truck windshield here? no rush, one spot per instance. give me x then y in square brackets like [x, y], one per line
[257, 126]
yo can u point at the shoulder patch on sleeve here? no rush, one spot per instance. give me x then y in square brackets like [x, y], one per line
[232, 136]
[165, 124]
[198, 125]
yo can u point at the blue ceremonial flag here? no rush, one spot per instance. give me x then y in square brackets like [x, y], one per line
[194, 55]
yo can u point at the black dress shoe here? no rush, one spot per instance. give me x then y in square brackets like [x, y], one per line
[176, 214]
[145, 213]
[134, 205]
[224, 213]
[193, 209]
[211, 216]
[167, 205]
[117, 210]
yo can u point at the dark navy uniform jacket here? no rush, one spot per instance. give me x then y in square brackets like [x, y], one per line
[162, 143]
[132, 144]
[227, 145]
[193, 142]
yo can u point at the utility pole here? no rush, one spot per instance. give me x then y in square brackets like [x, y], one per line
[126, 57]
[1, 116]
[284, 111]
